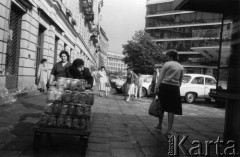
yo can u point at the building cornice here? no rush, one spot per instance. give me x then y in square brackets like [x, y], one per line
[169, 13]
[186, 25]
[150, 2]
[185, 39]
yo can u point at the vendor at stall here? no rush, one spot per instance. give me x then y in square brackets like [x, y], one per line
[59, 69]
[78, 71]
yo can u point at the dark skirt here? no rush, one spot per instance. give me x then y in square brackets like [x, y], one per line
[169, 96]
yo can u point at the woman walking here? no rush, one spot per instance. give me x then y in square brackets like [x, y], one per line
[168, 87]
[103, 80]
[130, 84]
[42, 76]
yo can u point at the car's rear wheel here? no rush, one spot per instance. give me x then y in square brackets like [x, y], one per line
[190, 97]
[144, 92]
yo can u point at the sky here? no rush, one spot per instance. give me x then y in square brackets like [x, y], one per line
[120, 19]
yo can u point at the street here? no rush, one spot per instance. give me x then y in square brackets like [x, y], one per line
[118, 128]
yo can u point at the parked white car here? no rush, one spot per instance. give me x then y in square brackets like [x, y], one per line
[146, 86]
[196, 86]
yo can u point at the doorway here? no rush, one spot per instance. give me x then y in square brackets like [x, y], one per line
[39, 54]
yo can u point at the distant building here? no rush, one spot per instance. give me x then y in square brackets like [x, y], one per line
[188, 32]
[32, 29]
[115, 63]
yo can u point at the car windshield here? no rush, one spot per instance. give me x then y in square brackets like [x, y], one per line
[186, 79]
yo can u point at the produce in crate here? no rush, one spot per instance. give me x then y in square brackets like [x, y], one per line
[68, 82]
[68, 122]
[74, 85]
[61, 121]
[64, 109]
[75, 123]
[71, 110]
[68, 108]
[58, 94]
[79, 110]
[75, 97]
[67, 96]
[48, 108]
[61, 82]
[52, 121]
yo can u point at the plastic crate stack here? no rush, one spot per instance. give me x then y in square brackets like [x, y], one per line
[68, 105]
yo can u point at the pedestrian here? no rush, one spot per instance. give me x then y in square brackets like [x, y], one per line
[155, 78]
[140, 82]
[108, 87]
[58, 69]
[42, 76]
[78, 71]
[131, 77]
[102, 81]
[168, 89]
[93, 73]
[136, 84]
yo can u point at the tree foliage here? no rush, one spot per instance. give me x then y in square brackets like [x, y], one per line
[142, 53]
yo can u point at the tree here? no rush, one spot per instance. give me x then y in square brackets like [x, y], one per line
[141, 53]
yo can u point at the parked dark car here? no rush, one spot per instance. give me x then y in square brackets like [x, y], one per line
[220, 102]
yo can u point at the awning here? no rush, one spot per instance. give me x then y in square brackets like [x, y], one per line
[212, 53]
[227, 7]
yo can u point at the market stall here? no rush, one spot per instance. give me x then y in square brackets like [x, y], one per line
[67, 112]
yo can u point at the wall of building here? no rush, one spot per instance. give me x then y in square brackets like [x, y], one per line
[4, 15]
[52, 16]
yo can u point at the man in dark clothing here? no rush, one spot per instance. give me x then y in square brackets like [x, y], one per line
[78, 71]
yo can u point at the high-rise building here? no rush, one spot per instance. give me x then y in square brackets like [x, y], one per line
[187, 32]
[32, 29]
[115, 63]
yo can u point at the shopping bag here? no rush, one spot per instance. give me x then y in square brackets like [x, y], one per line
[155, 108]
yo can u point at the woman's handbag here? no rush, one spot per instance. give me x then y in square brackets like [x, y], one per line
[155, 108]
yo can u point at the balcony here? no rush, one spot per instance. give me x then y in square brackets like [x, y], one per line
[93, 27]
[84, 3]
[89, 15]
[68, 13]
[74, 22]
[90, 3]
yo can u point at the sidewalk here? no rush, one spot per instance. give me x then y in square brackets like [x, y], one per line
[124, 129]
[119, 129]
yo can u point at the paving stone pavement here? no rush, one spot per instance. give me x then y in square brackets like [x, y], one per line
[118, 129]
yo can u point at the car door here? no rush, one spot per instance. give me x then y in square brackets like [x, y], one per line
[197, 86]
[210, 83]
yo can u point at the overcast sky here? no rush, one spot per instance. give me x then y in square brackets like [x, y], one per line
[120, 19]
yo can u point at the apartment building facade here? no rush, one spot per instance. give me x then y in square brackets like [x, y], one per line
[103, 47]
[31, 30]
[115, 63]
[187, 32]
